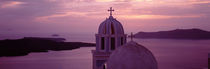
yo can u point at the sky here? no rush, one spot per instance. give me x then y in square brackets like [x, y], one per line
[84, 16]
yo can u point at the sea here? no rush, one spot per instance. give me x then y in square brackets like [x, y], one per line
[169, 53]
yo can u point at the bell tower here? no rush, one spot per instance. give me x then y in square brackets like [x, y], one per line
[109, 37]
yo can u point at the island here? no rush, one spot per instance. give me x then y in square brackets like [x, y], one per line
[26, 45]
[194, 34]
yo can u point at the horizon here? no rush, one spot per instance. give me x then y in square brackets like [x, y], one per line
[84, 34]
[84, 16]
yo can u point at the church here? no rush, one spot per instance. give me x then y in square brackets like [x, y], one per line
[114, 52]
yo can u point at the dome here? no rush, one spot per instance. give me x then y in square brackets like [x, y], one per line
[110, 26]
[132, 56]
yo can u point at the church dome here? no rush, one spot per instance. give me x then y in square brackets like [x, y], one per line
[132, 56]
[110, 26]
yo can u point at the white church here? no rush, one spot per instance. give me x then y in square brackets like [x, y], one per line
[114, 52]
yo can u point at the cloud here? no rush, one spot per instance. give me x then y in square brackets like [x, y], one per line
[11, 4]
[64, 14]
[21, 13]
[159, 16]
[104, 0]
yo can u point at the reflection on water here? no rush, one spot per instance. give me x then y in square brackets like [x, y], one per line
[179, 54]
[74, 59]
[170, 54]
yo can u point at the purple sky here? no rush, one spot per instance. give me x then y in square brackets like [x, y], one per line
[84, 16]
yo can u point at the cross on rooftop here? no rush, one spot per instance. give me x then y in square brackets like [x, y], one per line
[110, 10]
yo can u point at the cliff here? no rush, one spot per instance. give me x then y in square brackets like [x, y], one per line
[175, 34]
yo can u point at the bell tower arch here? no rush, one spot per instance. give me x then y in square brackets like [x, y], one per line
[109, 37]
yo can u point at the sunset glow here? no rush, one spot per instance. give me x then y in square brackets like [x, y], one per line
[104, 34]
[157, 16]
[104, 0]
[142, 12]
[10, 4]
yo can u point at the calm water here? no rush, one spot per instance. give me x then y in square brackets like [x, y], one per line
[170, 54]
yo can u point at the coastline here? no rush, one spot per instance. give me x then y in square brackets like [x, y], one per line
[181, 34]
[24, 46]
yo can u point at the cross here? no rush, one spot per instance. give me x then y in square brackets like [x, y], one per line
[132, 36]
[110, 10]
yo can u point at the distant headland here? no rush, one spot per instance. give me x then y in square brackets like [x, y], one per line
[193, 34]
[26, 45]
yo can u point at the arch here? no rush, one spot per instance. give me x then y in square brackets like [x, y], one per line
[104, 29]
[105, 65]
[102, 43]
[121, 41]
[112, 28]
[112, 43]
